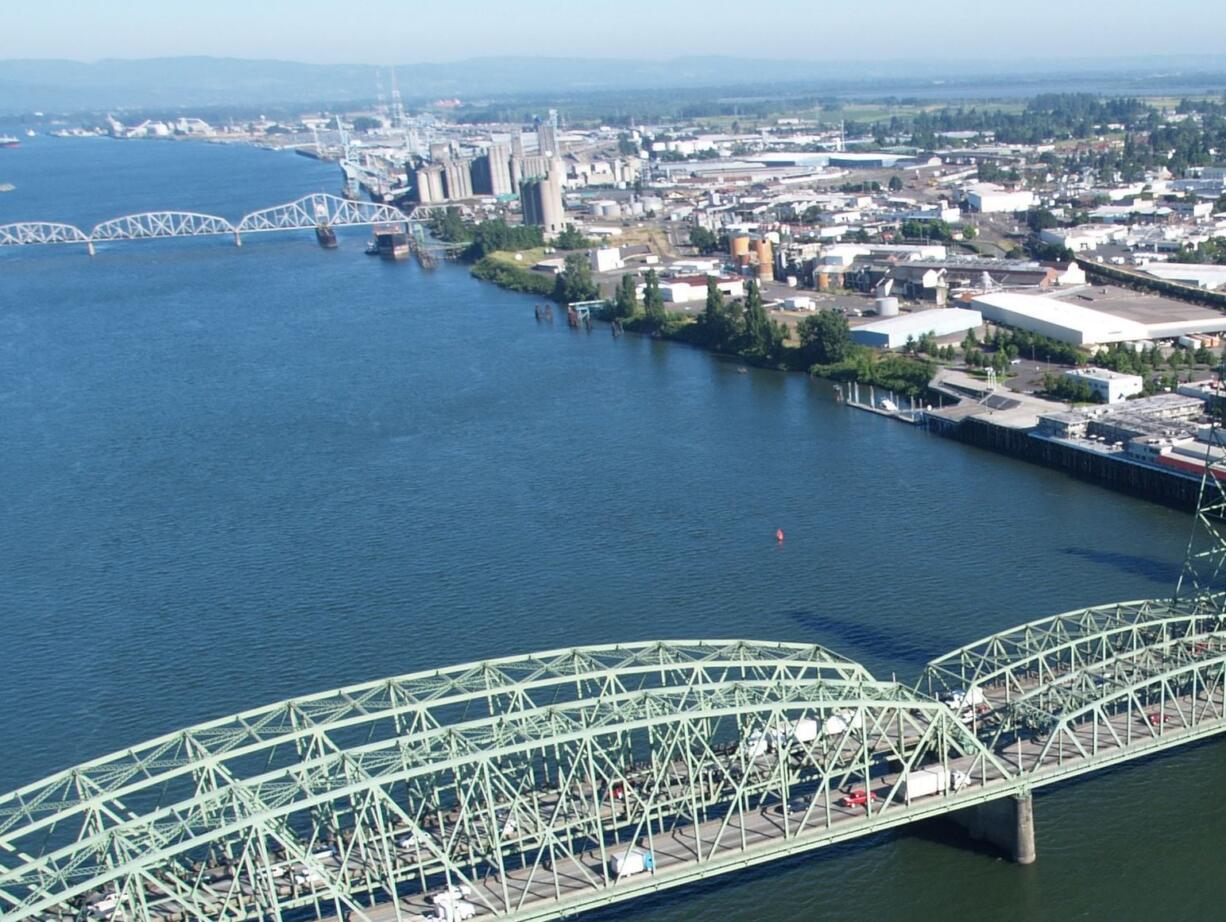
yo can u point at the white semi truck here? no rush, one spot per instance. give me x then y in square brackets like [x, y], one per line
[805, 730]
[633, 860]
[925, 782]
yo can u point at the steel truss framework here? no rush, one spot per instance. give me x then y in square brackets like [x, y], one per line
[304, 214]
[518, 778]
[36, 232]
[161, 224]
[1094, 686]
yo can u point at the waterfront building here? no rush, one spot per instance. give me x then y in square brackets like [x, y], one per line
[893, 332]
[541, 200]
[1109, 386]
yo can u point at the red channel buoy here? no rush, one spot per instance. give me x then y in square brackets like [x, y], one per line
[779, 535]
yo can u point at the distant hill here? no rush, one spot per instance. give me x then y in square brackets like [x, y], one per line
[73, 86]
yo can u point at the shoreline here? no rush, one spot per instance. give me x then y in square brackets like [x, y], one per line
[1152, 484]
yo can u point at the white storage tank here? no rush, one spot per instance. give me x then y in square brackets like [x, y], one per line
[887, 307]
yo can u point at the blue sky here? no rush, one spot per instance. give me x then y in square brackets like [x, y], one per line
[405, 31]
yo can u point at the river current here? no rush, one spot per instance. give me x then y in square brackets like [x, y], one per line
[233, 475]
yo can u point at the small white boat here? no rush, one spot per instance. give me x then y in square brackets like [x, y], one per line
[888, 405]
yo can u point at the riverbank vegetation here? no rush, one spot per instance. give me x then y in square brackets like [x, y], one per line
[821, 344]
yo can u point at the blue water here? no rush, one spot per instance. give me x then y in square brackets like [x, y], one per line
[235, 475]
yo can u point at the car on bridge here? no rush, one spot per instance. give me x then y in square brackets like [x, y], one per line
[859, 797]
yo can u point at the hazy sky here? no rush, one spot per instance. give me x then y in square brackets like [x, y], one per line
[406, 31]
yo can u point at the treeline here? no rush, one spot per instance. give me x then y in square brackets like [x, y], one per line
[485, 237]
[742, 327]
[1058, 116]
[573, 283]
[488, 237]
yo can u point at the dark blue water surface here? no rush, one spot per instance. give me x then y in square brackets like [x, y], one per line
[234, 475]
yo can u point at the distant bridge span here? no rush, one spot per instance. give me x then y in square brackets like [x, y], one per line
[517, 780]
[304, 214]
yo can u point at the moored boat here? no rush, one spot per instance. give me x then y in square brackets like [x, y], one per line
[326, 236]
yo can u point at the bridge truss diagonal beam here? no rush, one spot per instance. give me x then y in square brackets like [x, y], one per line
[40, 232]
[319, 208]
[161, 225]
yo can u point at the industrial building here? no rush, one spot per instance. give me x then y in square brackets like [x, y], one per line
[1098, 316]
[1056, 319]
[428, 181]
[491, 172]
[541, 200]
[893, 332]
[1211, 277]
[694, 288]
[457, 178]
[1109, 386]
[989, 198]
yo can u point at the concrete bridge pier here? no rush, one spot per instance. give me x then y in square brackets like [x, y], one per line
[1007, 823]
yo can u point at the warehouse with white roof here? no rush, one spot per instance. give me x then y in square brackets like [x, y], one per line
[893, 332]
[1060, 320]
[1115, 315]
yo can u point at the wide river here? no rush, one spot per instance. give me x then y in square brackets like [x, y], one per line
[230, 476]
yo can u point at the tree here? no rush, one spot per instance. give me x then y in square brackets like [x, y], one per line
[449, 225]
[715, 300]
[757, 323]
[653, 302]
[895, 184]
[571, 239]
[969, 343]
[968, 232]
[626, 300]
[825, 338]
[704, 240]
[1038, 219]
[575, 283]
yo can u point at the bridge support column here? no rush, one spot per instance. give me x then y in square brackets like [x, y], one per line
[238, 239]
[89, 247]
[1008, 823]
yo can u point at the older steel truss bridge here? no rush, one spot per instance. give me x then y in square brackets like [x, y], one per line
[517, 788]
[306, 213]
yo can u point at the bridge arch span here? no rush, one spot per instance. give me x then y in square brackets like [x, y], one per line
[161, 224]
[319, 208]
[40, 232]
[505, 777]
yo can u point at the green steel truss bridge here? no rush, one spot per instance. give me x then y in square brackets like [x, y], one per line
[516, 781]
[518, 788]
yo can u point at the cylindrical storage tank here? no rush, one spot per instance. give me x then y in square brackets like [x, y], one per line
[887, 307]
[740, 247]
[766, 260]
